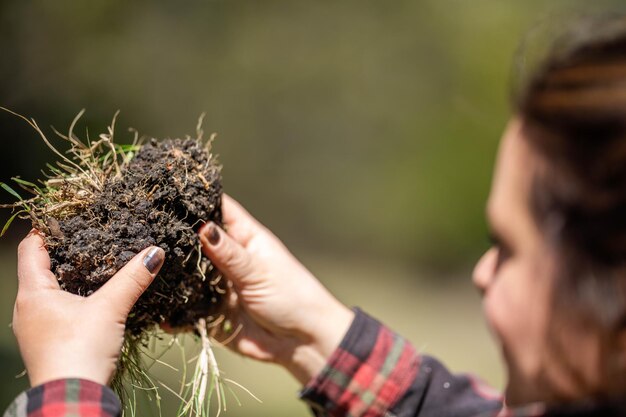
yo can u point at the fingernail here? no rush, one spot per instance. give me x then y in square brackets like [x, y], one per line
[214, 234]
[154, 259]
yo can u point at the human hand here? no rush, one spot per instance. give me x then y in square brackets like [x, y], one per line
[62, 335]
[280, 311]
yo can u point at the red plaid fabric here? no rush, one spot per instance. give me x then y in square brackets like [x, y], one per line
[376, 373]
[66, 398]
[367, 374]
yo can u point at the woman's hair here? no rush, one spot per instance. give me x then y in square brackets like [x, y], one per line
[573, 109]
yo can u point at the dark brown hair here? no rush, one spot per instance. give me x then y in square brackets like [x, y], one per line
[573, 109]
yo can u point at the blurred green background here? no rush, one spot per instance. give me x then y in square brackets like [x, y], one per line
[362, 132]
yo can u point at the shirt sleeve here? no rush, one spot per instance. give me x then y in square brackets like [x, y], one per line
[376, 373]
[65, 398]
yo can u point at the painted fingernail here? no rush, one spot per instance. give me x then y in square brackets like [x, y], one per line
[214, 235]
[154, 259]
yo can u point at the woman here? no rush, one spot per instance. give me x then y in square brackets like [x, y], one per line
[553, 283]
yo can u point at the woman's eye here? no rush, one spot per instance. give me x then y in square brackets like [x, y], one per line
[503, 255]
[502, 250]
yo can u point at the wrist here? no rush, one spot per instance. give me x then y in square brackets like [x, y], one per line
[57, 370]
[309, 356]
[37, 380]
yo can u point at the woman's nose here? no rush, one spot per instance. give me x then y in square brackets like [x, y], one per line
[485, 270]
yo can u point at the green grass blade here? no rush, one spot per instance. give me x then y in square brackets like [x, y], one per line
[11, 191]
[54, 169]
[31, 187]
[26, 183]
[129, 148]
[8, 223]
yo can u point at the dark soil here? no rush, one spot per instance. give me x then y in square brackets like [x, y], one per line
[166, 193]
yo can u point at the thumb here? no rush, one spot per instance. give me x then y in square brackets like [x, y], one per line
[227, 255]
[124, 288]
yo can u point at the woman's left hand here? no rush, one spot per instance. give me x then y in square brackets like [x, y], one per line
[62, 335]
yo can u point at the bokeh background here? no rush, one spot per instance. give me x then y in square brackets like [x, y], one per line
[362, 132]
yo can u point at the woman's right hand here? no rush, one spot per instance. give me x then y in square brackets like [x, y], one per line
[280, 312]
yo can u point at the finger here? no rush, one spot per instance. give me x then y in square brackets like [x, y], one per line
[240, 223]
[124, 288]
[33, 264]
[227, 255]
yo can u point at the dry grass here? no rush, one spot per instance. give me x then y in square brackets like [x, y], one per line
[72, 183]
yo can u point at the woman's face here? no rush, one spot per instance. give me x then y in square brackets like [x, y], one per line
[516, 278]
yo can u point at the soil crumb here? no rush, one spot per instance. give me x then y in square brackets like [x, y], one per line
[163, 196]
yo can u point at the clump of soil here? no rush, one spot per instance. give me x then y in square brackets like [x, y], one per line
[164, 194]
[101, 204]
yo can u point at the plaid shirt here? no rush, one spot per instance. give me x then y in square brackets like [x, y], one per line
[66, 398]
[373, 373]
[377, 373]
